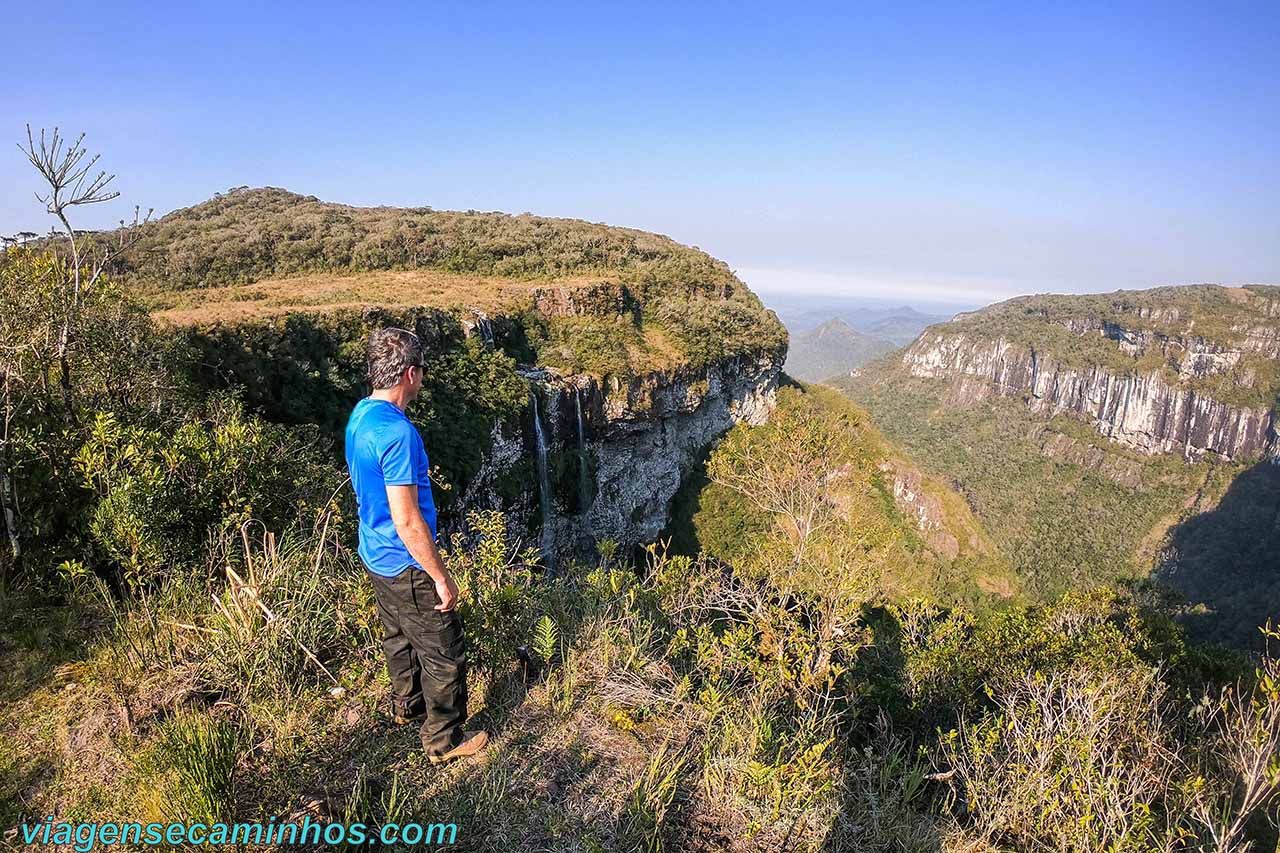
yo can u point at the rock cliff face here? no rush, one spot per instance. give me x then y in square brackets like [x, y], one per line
[1145, 411]
[685, 348]
[610, 453]
[616, 451]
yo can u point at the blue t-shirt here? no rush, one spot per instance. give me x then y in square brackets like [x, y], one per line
[385, 449]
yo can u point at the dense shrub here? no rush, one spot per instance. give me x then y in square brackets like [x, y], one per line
[1105, 758]
[161, 493]
[113, 363]
[940, 663]
[310, 369]
[498, 605]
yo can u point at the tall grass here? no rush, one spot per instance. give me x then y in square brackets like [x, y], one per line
[295, 604]
[196, 757]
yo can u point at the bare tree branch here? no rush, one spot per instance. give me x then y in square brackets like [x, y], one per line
[72, 182]
[67, 174]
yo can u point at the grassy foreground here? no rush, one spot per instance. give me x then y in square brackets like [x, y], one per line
[672, 705]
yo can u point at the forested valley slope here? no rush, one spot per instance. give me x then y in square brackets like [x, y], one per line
[1129, 434]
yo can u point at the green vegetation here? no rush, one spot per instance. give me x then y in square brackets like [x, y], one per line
[661, 708]
[809, 496]
[196, 756]
[1070, 509]
[308, 369]
[153, 485]
[132, 398]
[590, 344]
[157, 437]
[843, 659]
[1062, 524]
[1221, 314]
[260, 253]
[789, 687]
[247, 235]
[573, 296]
[114, 459]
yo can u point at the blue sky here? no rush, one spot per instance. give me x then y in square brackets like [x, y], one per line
[943, 152]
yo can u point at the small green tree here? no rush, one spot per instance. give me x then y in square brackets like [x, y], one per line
[72, 183]
[495, 577]
[61, 319]
[823, 539]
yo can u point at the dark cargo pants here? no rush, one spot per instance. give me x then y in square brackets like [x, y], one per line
[426, 656]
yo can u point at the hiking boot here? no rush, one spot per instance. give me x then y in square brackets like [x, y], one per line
[472, 742]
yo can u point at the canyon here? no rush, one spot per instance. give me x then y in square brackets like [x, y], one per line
[1108, 437]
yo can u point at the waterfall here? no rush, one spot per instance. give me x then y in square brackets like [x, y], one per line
[546, 541]
[584, 488]
[482, 327]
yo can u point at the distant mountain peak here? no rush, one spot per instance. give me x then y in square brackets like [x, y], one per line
[832, 348]
[835, 326]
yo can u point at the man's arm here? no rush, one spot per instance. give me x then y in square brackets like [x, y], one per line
[413, 531]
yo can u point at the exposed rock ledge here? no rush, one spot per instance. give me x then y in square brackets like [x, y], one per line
[639, 438]
[923, 509]
[1143, 412]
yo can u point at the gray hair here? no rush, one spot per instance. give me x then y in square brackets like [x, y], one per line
[391, 351]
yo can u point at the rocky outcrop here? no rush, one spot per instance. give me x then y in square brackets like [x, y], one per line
[619, 448]
[1144, 411]
[602, 299]
[923, 509]
[1124, 472]
[1194, 355]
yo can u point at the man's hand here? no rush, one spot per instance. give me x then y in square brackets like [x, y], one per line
[448, 592]
[413, 531]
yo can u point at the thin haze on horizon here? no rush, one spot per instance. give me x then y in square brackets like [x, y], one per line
[950, 154]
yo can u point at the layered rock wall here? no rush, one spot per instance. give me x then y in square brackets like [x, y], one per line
[638, 438]
[1144, 411]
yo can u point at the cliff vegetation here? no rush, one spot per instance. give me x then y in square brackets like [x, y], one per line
[819, 487]
[597, 297]
[1067, 508]
[1172, 331]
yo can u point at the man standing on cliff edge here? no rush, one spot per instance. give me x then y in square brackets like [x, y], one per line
[423, 640]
